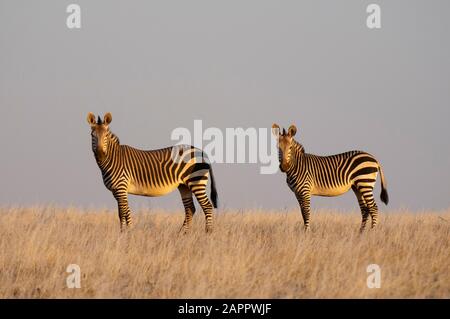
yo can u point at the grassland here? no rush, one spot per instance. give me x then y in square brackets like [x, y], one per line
[251, 254]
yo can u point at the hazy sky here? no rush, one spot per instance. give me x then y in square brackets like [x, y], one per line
[158, 65]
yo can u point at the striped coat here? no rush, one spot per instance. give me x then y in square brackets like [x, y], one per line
[127, 170]
[308, 174]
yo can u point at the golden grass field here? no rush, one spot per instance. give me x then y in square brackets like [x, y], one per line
[250, 254]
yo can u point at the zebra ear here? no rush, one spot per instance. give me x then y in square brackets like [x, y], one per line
[91, 119]
[107, 118]
[275, 129]
[292, 130]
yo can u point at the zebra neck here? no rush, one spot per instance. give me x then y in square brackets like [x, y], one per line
[297, 152]
[112, 151]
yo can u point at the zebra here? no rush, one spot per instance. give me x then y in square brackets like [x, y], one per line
[308, 174]
[127, 170]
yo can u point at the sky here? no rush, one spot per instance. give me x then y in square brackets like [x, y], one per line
[160, 65]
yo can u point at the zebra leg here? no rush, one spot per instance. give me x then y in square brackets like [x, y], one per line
[124, 209]
[305, 207]
[363, 207]
[189, 207]
[199, 191]
[372, 206]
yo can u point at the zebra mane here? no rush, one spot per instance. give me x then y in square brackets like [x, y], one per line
[298, 146]
[99, 120]
[114, 138]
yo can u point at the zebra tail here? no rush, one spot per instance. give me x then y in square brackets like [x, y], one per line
[384, 194]
[213, 188]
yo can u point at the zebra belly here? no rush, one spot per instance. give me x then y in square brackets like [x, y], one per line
[329, 192]
[152, 191]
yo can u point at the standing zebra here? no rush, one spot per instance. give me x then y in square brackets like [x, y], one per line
[127, 170]
[334, 175]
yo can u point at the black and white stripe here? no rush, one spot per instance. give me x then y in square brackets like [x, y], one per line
[127, 170]
[308, 174]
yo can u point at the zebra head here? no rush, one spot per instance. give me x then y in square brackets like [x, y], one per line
[100, 134]
[284, 140]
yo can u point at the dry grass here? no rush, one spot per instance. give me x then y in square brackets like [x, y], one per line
[251, 254]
